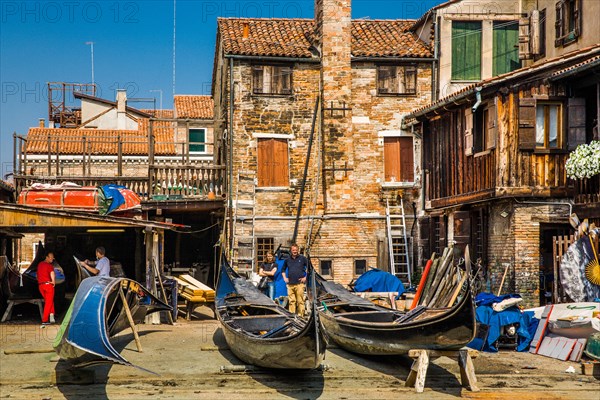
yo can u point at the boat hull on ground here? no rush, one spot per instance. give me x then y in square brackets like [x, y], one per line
[97, 314]
[262, 333]
[362, 327]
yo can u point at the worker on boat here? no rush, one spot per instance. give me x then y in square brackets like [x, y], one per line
[267, 270]
[294, 274]
[46, 281]
[100, 267]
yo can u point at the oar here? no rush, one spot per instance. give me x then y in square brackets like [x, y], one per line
[592, 269]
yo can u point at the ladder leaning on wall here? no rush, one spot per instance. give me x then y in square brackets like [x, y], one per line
[398, 242]
[243, 223]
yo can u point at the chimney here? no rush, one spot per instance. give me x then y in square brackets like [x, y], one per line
[121, 100]
[121, 109]
[42, 123]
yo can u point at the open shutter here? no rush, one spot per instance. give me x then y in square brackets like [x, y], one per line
[468, 131]
[577, 17]
[524, 39]
[407, 164]
[527, 124]
[576, 122]
[558, 25]
[492, 130]
[534, 33]
[462, 230]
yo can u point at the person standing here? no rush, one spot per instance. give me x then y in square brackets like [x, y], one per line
[268, 269]
[294, 274]
[100, 267]
[46, 281]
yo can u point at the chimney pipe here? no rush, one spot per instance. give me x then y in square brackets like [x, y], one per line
[246, 32]
[121, 100]
[42, 123]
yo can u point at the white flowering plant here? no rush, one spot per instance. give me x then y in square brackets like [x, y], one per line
[584, 162]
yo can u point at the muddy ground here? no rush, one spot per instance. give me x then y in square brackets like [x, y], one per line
[187, 361]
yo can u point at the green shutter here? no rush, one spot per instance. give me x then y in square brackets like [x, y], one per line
[197, 139]
[466, 51]
[506, 47]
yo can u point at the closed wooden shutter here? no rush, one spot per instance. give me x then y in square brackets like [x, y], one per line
[576, 122]
[505, 42]
[399, 159]
[197, 139]
[525, 44]
[558, 25]
[407, 163]
[527, 124]
[466, 50]
[273, 164]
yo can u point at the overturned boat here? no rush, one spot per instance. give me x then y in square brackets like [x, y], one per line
[261, 332]
[362, 327]
[97, 313]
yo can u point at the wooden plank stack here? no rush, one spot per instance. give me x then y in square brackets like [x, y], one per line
[443, 283]
[193, 290]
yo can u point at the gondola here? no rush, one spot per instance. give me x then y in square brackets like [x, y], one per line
[262, 333]
[362, 327]
[97, 314]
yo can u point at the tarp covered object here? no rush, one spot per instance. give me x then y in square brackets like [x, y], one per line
[377, 280]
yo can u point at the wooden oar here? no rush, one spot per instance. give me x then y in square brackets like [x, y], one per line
[422, 282]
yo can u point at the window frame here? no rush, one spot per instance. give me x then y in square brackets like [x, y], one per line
[379, 77]
[273, 67]
[398, 136]
[273, 183]
[203, 144]
[330, 261]
[568, 22]
[354, 270]
[560, 134]
[454, 76]
[263, 245]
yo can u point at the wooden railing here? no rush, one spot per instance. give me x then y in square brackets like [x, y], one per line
[160, 182]
[587, 191]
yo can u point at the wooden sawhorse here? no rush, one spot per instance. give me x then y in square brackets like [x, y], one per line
[16, 302]
[418, 371]
[190, 306]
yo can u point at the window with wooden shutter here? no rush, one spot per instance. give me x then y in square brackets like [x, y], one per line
[273, 163]
[466, 50]
[576, 122]
[527, 116]
[548, 125]
[505, 44]
[396, 80]
[491, 125]
[197, 138]
[271, 79]
[399, 159]
[538, 33]
[568, 21]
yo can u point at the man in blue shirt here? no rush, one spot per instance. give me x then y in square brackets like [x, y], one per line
[100, 267]
[294, 274]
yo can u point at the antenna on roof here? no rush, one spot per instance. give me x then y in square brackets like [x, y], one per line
[174, 31]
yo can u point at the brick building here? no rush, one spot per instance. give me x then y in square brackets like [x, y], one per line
[280, 84]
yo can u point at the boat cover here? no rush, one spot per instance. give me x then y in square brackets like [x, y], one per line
[377, 280]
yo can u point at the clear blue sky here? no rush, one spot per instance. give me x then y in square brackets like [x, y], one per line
[45, 41]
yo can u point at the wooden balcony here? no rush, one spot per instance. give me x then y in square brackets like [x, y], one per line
[587, 198]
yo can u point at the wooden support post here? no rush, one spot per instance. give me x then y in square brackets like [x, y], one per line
[418, 371]
[162, 289]
[130, 319]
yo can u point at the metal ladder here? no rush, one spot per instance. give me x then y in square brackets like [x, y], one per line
[398, 242]
[243, 223]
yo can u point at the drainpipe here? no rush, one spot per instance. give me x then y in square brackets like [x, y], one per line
[230, 133]
[478, 98]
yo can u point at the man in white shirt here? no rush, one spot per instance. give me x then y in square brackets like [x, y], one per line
[100, 267]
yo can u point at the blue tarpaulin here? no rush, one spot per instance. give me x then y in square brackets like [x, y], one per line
[486, 315]
[377, 280]
[113, 196]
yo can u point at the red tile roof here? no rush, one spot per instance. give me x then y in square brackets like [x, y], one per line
[101, 141]
[292, 38]
[195, 107]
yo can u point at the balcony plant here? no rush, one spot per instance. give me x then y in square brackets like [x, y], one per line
[584, 162]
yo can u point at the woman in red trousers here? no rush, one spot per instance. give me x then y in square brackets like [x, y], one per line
[46, 281]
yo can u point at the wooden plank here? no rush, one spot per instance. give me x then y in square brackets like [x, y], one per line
[195, 282]
[541, 329]
[418, 372]
[567, 349]
[546, 346]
